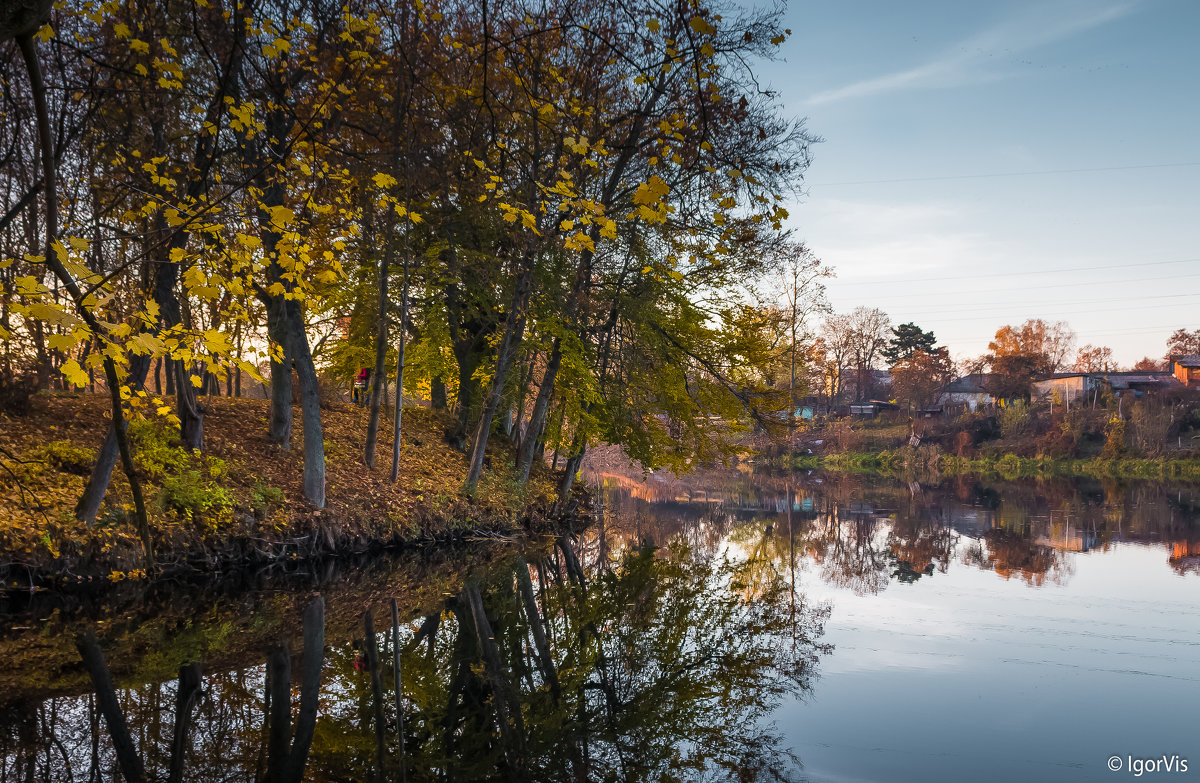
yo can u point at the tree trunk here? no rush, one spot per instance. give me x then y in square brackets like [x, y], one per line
[280, 428]
[106, 697]
[185, 699]
[189, 410]
[514, 329]
[310, 409]
[568, 479]
[537, 417]
[372, 653]
[380, 354]
[508, 711]
[399, 693]
[397, 433]
[437, 393]
[279, 720]
[310, 689]
[97, 486]
[38, 88]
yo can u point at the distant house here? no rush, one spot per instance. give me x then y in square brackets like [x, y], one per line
[1186, 369]
[871, 408]
[1071, 386]
[969, 391]
[1138, 383]
[1077, 386]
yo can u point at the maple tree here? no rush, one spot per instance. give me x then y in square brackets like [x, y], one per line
[543, 218]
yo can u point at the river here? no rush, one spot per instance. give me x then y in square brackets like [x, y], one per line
[727, 625]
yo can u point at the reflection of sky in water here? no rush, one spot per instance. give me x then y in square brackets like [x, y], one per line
[1004, 632]
[988, 671]
[968, 676]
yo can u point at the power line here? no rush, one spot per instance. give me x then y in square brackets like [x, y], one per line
[1020, 274]
[1012, 306]
[1076, 284]
[995, 316]
[1001, 174]
[1139, 330]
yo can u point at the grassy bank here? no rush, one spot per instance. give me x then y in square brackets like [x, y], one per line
[240, 501]
[907, 460]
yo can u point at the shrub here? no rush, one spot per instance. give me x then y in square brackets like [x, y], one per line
[264, 497]
[1014, 419]
[1149, 425]
[68, 457]
[1114, 438]
[1009, 466]
[191, 494]
[155, 450]
[189, 483]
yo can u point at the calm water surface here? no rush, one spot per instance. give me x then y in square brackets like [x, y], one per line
[721, 626]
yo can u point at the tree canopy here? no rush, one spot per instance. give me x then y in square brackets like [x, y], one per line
[544, 217]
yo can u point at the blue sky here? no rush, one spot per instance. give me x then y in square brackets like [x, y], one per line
[942, 96]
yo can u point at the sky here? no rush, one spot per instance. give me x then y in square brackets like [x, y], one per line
[985, 163]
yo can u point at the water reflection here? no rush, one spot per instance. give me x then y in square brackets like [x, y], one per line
[862, 533]
[656, 644]
[644, 663]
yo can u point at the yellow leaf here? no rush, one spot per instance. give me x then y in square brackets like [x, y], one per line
[281, 216]
[74, 373]
[144, 344]
[195, 379]
[651, 191]
[65, 342]
[216, 342]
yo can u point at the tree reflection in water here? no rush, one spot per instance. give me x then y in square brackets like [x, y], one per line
[662, 664]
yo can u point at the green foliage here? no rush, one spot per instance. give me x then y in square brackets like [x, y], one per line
[66, 456]
[1009, 466]
[156, 451]
[189, 484]
[264, 497]
[195, 495]
[908, 339]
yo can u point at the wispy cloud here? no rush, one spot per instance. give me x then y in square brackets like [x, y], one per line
[876, 241]
[966, 62]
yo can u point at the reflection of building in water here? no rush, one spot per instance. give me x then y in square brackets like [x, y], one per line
[1185, 556]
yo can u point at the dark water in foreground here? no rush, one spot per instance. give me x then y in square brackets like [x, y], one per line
[725, 626]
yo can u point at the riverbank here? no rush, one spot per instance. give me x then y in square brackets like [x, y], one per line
[240, 501]
[226, 620]
[909, 460]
